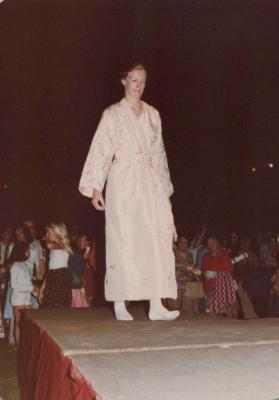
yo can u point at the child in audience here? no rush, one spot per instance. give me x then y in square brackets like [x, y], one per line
[21, 283]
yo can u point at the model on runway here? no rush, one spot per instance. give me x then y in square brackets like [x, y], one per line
[128, 151]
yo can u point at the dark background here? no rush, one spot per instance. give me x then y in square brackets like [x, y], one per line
[213, 74]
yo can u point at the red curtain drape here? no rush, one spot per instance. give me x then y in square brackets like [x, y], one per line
[44, 373]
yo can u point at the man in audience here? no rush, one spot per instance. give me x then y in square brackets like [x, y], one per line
[36, 251]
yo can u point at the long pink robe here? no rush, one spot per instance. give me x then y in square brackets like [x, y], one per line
[129, 153]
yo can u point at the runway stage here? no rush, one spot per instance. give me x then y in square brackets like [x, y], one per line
[204, 357]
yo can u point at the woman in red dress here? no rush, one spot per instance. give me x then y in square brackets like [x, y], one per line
[219, 287]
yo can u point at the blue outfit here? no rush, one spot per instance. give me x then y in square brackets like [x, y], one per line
[202, 251]
[76, 267]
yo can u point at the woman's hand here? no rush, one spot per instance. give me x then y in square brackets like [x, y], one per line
[86, 253]
[35, 291]
[40, 296]
[41, 292]
[98, 200]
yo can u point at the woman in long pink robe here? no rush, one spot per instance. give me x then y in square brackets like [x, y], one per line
[128, 151]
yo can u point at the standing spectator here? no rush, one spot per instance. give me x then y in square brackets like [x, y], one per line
[183, 259]
[233, 245]
[90, 273]
[6, 246]
[260, 241]
[242, 276]
[253, 260]
[275, 294]
[21, 284]
[197, 243]
[36, 251]
[56, 291]
[219, 287]
[22, 236]
[77, 264]
[269, 255]
[264, 244]
[202, 251]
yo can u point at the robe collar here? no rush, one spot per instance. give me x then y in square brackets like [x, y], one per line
[140, 135]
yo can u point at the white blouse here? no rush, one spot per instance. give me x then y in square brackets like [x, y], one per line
[20, 277]
[58, 259]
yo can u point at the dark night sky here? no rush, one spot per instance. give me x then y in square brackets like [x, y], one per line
[213, 68]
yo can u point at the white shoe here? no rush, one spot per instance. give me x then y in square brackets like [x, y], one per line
[166, 316]
[121, 312]
[158, 312]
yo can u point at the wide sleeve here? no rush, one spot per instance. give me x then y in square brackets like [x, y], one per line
[99, 158]
[159, 160]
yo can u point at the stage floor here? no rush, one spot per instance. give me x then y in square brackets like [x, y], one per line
[204, 357]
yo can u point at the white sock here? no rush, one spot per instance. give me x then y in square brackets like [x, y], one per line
[158, 312]
[121, 312]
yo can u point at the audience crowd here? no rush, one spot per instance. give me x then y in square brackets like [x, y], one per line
[232, 275]
[53, 270]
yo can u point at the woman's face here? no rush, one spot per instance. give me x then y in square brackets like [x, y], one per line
[135, 83]
[50, 235]
[246, 245]
[20, 235]
[234, 238]
[183, 244]
[213, 245]
[82, 243]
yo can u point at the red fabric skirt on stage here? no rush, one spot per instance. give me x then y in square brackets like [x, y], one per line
[44, 373]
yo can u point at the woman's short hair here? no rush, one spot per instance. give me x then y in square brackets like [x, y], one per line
[130, 67]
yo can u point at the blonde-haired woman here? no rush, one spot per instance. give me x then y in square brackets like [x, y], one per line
[56, 289]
